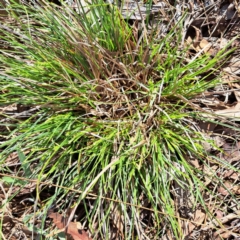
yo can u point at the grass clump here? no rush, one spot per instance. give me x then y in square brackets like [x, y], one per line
[111, 115]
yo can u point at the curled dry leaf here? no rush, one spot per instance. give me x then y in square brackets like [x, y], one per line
[219, 222]
[73, 228]
[201, 46]
[199, 217]
[231, 175]
[232, 112]
[229, 188]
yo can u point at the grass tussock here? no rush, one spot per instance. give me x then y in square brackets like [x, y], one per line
[113, 115]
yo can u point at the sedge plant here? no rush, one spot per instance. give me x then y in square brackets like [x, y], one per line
[108, 113]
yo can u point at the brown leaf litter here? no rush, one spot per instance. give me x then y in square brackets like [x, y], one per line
[207, 30]
[74, 228]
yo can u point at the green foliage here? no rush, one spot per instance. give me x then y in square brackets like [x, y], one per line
[104, 94]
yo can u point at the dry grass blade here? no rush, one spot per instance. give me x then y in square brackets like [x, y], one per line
[112, 108]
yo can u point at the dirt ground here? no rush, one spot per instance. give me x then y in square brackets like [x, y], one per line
[208, 28]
